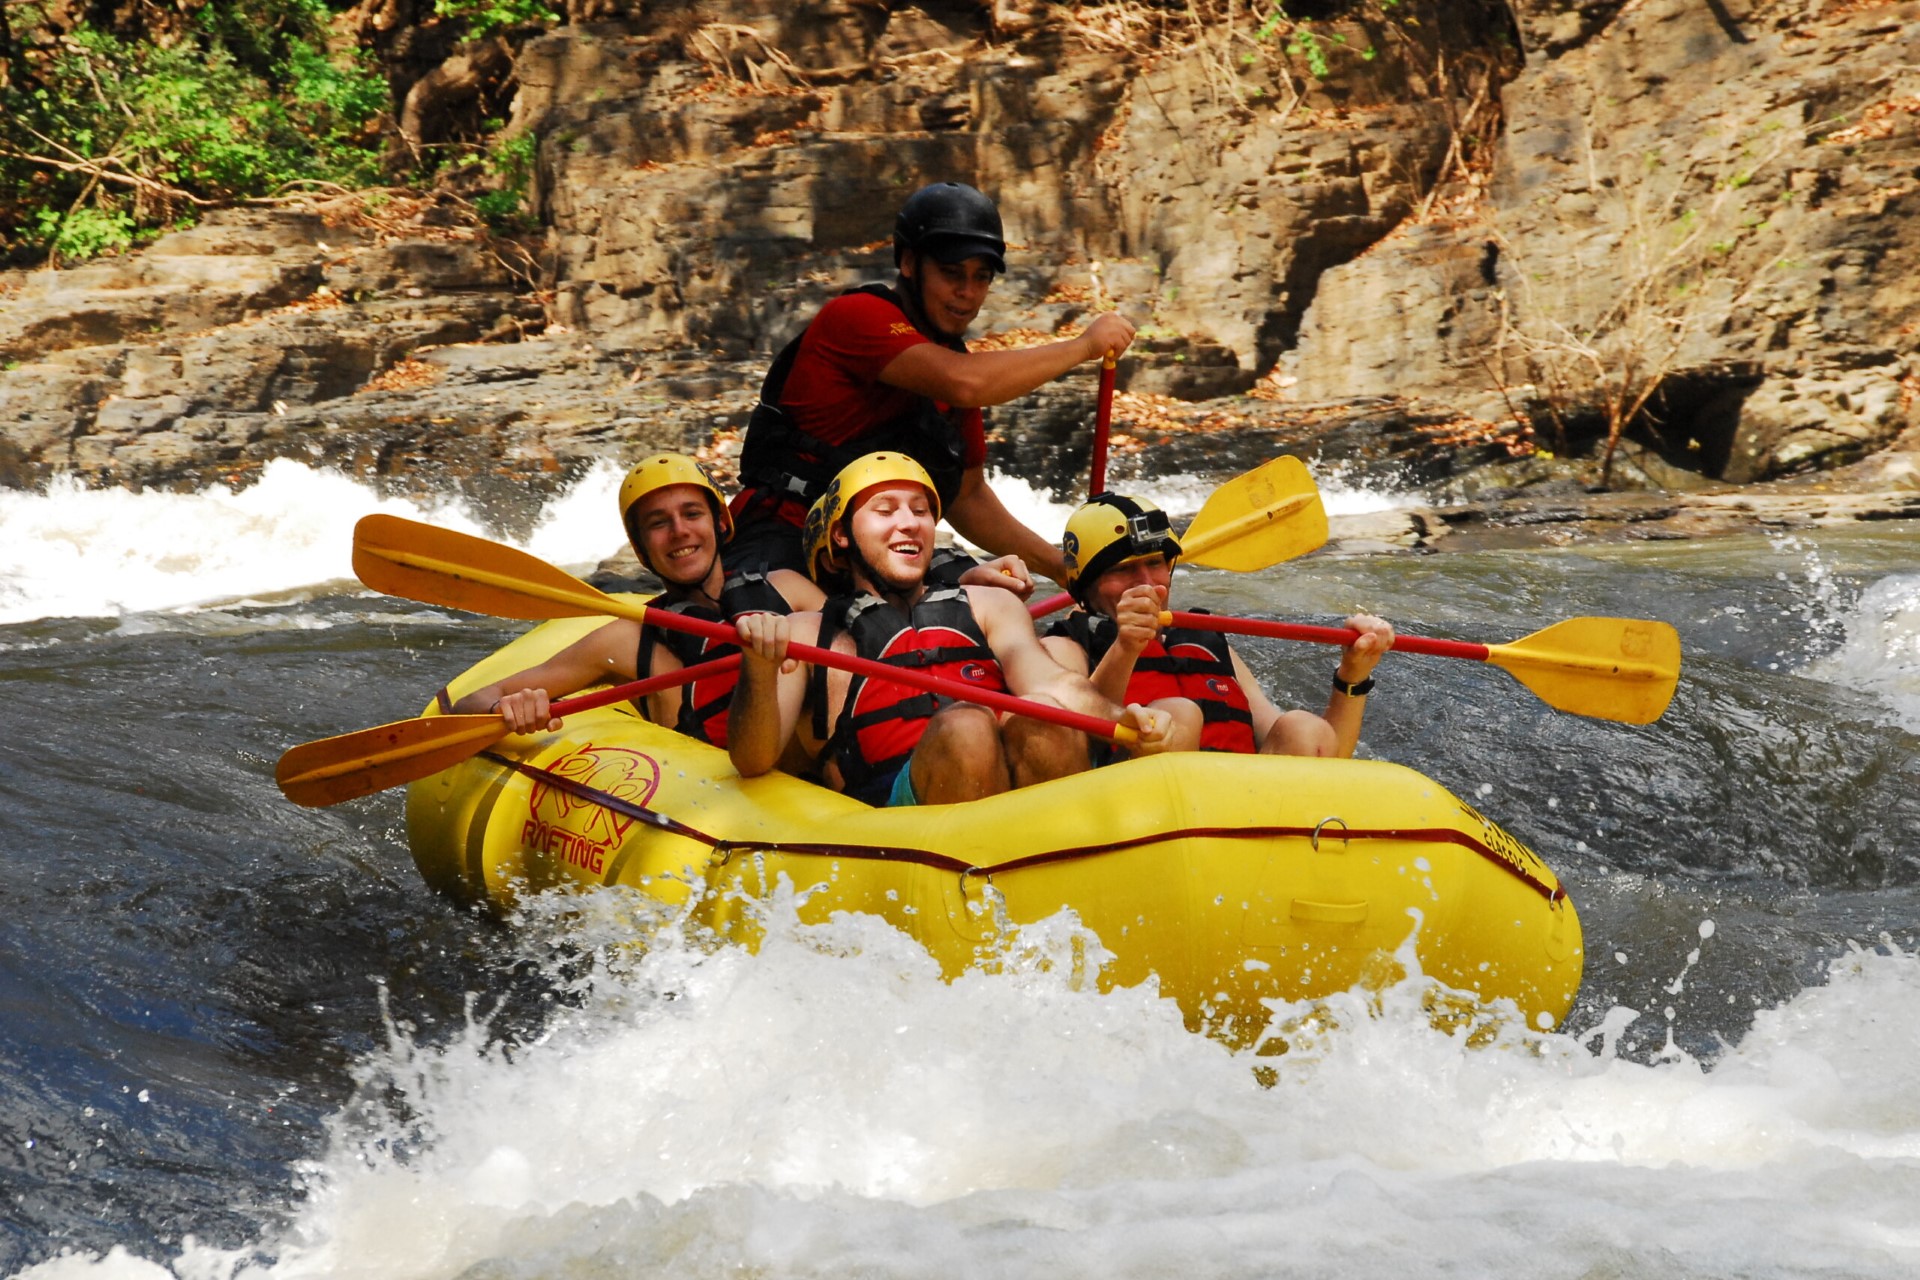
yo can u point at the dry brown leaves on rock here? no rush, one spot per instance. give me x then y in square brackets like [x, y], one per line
[405, 375]
[1877, 121]
[1009, 340]
[393, 214]
[1465, 433]
[321, 299]
[721, 457]
[1149, 412]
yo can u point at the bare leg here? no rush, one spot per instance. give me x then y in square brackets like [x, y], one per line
[1187, 722]
[1038, 751]
[960, 757]
[1300, 733]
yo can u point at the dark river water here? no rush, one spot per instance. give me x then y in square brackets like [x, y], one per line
[241, 1038]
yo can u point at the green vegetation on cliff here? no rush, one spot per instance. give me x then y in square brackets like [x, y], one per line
[119, 123]
[109, 135]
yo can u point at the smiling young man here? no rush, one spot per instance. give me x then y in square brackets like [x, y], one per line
[1120, 555]
[871, 534]
[886, 368]
[677, 520]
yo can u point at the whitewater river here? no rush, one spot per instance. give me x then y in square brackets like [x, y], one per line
[239, 1038]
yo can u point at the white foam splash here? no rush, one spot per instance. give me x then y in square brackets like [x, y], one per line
[832, 1106]
[78, 552]
[1879, 652]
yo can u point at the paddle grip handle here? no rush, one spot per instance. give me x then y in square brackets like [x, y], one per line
[1321, 635]
[1108, 729]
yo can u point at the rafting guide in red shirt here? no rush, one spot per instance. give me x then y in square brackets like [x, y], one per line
[885, 368]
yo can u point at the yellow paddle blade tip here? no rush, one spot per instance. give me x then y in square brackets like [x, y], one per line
[1620, 669]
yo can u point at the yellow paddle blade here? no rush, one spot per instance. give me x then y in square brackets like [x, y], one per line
[1623, 669]
[317, 774]
[438, 566]
[1257, 519]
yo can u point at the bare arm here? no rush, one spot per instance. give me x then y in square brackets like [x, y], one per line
[976, 379]
[1137, 615]
[766, 702]
[1357, 662]
[1032, 672]
[522, 698]
[1029, 668]
[1065, 652]
[980, 517]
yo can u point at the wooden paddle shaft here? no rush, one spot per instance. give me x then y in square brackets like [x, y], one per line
[908, 676]
[1322, 635]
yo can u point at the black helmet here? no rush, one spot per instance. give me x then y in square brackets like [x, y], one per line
[952, 222]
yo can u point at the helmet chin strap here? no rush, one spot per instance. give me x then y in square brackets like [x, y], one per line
[910, 291]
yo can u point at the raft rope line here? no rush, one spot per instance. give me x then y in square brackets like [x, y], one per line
[724, 850]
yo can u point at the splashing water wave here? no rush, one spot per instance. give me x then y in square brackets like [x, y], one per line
[692, 1109]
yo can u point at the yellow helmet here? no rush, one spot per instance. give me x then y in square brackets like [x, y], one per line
[660, 471]
[833, 506]
[1109, 529]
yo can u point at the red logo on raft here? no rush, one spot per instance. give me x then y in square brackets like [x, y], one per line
[575, 830]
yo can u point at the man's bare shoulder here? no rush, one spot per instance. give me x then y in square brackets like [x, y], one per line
[996, 608]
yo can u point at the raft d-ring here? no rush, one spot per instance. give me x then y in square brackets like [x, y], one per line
[1318, 826]
[719, 855]
[982, 872]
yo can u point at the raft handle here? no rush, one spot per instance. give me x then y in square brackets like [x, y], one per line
[1315, 837]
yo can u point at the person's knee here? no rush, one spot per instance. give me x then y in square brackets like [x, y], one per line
[1300, 733]
[960, 756]
[1188, 722]
[1038, 750]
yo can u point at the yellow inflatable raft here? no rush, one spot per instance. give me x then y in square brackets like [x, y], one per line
[1232, 879]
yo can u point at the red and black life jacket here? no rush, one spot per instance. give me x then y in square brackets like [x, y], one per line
[704, 703]
[880, 722]
[780, 458]
[1180, 663]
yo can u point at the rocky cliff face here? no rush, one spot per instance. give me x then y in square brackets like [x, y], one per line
[1427, 243]
[1724, 189]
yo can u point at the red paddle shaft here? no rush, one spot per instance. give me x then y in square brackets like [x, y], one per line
[1323, 635]
[1102, 428]
[641, 688]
